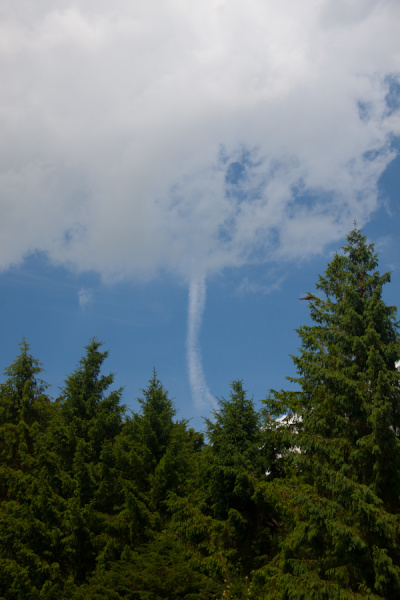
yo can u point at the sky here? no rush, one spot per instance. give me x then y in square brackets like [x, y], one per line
[174, 175]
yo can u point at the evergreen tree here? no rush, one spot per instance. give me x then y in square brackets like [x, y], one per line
[155, 454]
[225, 514]
[234, 451]
[235, 464]
[154, 458]
[23, 396]
[84, 434]
[89, 417]
[161, 570]
[345, 425]
[29, 509]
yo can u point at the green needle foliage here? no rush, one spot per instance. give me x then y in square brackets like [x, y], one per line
[226, 514]
[29, 508]
[88, 415]
[84, 433]
[156, 453]
[345, 424]
[161, 570]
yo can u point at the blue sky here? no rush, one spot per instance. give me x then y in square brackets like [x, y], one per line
[174, 176]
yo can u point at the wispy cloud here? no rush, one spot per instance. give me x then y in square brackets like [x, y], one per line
[85, 297]
[255, 287]
[197, 297]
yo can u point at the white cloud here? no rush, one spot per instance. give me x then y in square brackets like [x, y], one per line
[85, 297]
[254, 287]
[119, 123]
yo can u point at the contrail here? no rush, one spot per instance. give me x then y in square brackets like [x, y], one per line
[197, 296]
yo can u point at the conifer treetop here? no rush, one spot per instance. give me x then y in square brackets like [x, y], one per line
[344, 486]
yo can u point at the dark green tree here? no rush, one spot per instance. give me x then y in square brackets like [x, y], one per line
[89, 416]
[234, 451]
[29, 508]
[89, 421]
[155, 457]
[225, 513]
[151, 430]
[23, 395]
[163, 569]
[235, 465]
[343, 425]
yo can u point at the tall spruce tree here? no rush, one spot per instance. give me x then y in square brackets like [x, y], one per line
[225, 513]
[233, 454]
[29, 508]
[345, 425]
[155, 453]
[155, 458]
[89, 420]
[89, 415]
[234, 467]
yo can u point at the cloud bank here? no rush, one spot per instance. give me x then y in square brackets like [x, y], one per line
[140, 137]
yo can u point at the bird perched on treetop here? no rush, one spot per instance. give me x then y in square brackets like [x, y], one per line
[308, 297]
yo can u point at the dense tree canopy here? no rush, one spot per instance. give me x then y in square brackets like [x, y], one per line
[298, 500]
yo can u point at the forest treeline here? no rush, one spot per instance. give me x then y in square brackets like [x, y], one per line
[299, 500]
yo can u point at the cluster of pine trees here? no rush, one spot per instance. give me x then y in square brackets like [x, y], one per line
[297, 501]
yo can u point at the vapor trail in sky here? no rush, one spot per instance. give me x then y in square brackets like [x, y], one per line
[197, 297]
